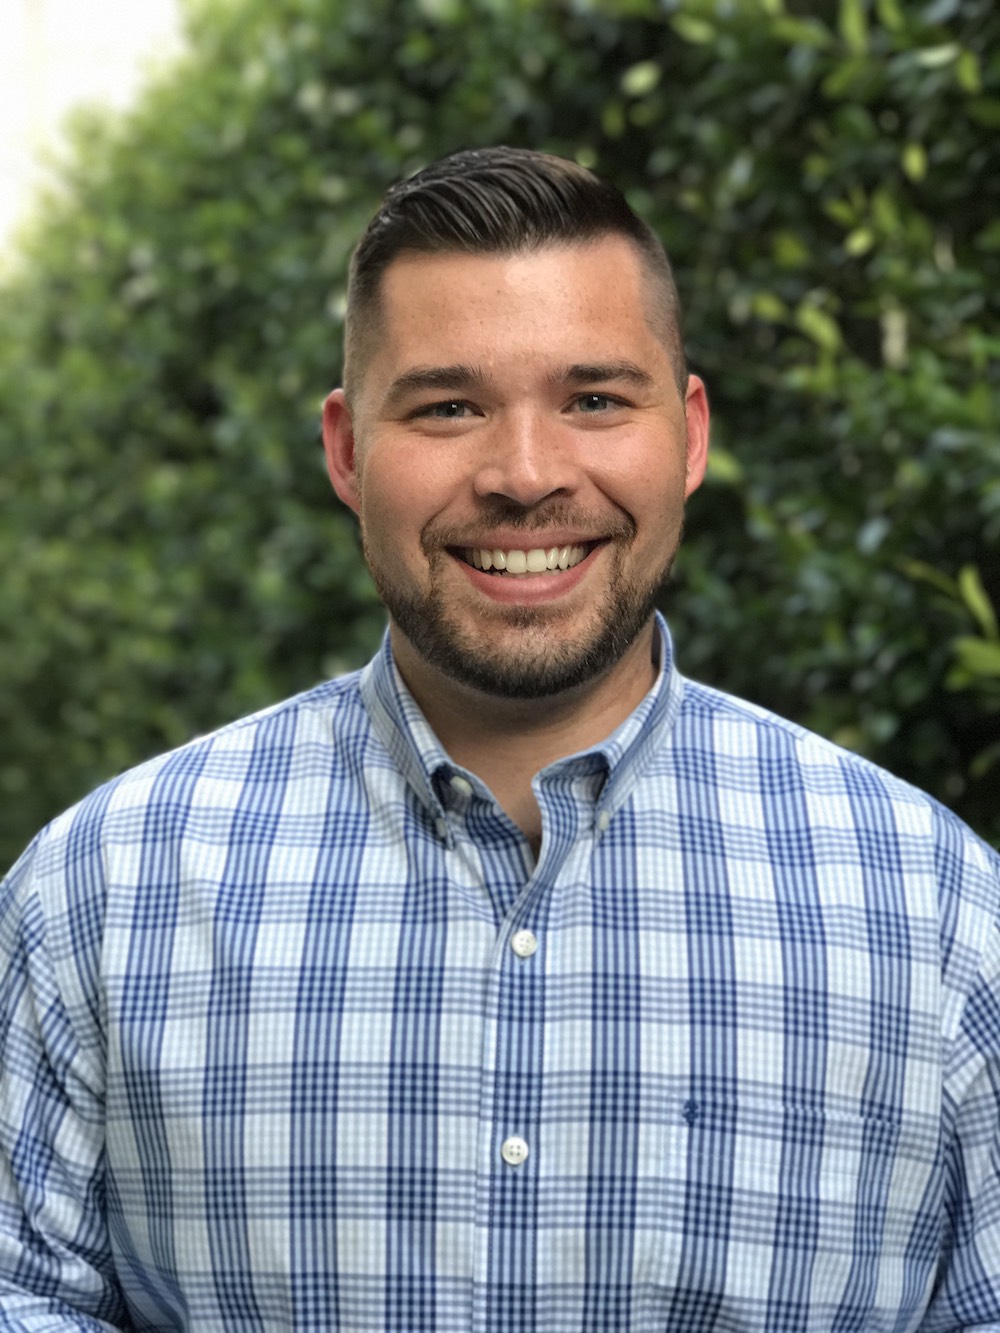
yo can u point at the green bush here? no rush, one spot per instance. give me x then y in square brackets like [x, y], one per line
[826, 178]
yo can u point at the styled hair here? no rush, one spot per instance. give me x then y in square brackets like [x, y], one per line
[499, 201]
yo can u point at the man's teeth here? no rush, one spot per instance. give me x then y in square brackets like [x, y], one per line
[535, 561]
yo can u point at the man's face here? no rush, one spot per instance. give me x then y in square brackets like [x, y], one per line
[519, 455]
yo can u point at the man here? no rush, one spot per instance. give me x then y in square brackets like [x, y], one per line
[514, 982]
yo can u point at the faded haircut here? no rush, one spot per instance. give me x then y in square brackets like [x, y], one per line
[499, 201]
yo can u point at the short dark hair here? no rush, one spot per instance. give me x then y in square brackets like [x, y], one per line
[500, 201]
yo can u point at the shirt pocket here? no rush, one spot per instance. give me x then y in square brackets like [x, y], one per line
[763, 1206]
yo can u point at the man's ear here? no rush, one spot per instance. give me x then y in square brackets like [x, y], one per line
[338, 444]
[696, 412]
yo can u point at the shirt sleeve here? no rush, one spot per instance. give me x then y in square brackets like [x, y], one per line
[56, 1267]
[967, 1292]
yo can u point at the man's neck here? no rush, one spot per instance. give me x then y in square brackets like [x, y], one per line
[505, 742]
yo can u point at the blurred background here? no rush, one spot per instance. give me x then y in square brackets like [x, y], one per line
[826, 177]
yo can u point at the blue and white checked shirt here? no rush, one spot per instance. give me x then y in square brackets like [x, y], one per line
[283, 1009]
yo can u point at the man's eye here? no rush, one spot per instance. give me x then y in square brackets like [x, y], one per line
[595, 402]
[448, 411]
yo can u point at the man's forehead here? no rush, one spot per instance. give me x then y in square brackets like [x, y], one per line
[547, 289]
[457, 307]
[551, 258]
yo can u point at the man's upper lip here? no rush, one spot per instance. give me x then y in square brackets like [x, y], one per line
[525, 541]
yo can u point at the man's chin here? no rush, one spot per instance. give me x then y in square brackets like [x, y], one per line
[505, 680]
[523, 656]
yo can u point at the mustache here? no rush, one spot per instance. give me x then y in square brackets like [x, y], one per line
[609, 525]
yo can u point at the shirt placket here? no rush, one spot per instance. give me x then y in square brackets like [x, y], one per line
[511, 1170]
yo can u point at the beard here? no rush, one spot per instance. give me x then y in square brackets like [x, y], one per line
[522, 652]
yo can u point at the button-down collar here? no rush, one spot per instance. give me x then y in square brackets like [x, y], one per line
[439, 782]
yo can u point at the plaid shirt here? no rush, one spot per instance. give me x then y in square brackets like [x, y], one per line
[296, 1035]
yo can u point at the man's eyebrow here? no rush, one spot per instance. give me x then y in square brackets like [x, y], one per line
[449, 379]
[602, 371]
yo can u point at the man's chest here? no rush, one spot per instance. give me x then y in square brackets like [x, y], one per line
[636, 1077]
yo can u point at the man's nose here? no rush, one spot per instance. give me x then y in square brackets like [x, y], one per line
[525, 459]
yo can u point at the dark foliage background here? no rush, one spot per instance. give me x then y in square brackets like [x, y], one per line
[826, 177]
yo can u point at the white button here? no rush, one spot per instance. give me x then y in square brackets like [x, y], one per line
[524, 943]
[461, 786]
[442, 828]
[514, 1150]
[603, 820]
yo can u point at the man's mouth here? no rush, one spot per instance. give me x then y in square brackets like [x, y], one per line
[537, 560]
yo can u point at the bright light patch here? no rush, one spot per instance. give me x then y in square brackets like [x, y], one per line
[57, 54]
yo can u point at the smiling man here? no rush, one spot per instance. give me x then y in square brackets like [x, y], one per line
[514, 982]
[519, 451]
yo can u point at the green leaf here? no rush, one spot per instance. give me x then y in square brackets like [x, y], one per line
[804, 32]
[842, 211]
[976, 599]
[613, 120]
[968, 72]
[885, 212]
[915, 161]
[890, 14]
[821, 327]
[640, 80]
[851, 77]
[977, 658]
[766, 305]
[692, 29]
[790, 251]
[860, 241]
[854, 25]
[934, 57]
[925, 573]
[446, 11]
[724, 466]
[985, 760]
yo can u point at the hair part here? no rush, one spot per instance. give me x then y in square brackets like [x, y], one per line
[499, 201]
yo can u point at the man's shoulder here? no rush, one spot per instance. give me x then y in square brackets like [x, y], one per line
[707, 705]
[315, 730]
[729, 725]
[749, 747]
